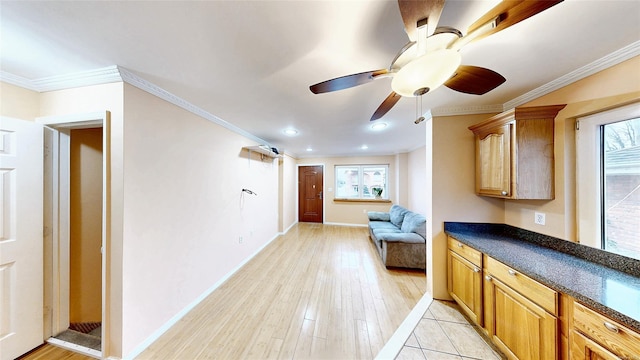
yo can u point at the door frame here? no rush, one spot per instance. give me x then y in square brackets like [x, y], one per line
[57, 218]
[324, 189]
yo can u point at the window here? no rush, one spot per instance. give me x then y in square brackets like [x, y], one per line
[608, 180]
[361, 181]
[621, 187]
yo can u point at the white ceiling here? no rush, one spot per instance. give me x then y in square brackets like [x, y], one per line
[250, 63]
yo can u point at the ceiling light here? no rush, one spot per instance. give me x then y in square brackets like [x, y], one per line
[291, 132]
[309, 148]
[364, 147]
[378, 126]
[426, 72]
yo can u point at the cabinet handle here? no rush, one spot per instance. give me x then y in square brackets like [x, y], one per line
[460, 245]
[475, 269]
[488, 278]
[504, 193]
[512, 272]
[611, 327]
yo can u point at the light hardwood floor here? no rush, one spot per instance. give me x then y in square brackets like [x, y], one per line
[50, 352]
[319, 291]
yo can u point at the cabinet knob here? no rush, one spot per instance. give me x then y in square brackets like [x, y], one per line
[504, 193]
[476, 269]
[611, 327]
[488, 278]
[512, 272]
[460, 245]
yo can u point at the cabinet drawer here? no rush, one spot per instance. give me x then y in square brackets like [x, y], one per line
[608, 333]
[472, 255]
[535, 291]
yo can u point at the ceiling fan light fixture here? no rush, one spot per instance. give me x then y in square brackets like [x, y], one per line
[426, 72]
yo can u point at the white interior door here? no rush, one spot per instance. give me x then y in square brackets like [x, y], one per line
[21, 248]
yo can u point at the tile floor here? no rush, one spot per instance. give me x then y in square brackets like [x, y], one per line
[444, 333]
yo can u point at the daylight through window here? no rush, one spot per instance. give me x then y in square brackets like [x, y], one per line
[621, 187]
[361, 181]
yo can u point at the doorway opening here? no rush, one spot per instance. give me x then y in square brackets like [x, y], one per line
[74, 242]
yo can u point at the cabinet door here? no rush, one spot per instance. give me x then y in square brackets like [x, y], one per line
[519, 328]
[583, 348]
[465, 286]
[493, 162]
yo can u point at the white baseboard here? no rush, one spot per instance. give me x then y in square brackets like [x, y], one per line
[156, 334]
[345, 224]
[393, 347]
[289, 228]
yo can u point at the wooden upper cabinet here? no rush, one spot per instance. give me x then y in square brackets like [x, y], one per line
[514, 153]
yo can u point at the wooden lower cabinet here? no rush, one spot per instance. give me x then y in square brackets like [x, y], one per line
[596, 336]
[583, 348]
[465, 286]
[519, 328]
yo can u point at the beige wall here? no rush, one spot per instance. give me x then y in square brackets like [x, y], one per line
[85, 298]
[417, 181]
[185, 211]
[607, 89]
[353, 213]
[287, 200]
[18, 103]
[453, 191]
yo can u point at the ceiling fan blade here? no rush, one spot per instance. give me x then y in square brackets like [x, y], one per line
[507, 13]
[345, 82]
[414, 10]
[386, 105]
[474, 80]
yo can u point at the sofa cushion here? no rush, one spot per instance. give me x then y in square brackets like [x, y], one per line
[378, 216]
[378, 232]
[382, 225]
[414, 223]
[396, 215]
[411, 238]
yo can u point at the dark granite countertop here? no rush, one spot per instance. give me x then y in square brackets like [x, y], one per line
[606, 282]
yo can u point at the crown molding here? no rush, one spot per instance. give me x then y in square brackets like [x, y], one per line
[628, 52]
[100, 76]
[144, 85]
[16, 80]
[466, 110]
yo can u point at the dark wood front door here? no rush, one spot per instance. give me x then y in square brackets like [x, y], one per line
[310, 194]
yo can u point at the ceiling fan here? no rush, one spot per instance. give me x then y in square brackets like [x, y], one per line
[432, 57]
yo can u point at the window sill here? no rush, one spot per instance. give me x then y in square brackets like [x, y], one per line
[362, 200]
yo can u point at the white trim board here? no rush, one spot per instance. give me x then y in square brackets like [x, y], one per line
[394, 345]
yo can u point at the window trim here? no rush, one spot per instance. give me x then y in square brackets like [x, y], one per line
[360, 198]
[589, 163]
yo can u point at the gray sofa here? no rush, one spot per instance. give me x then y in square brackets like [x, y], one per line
[399, 236]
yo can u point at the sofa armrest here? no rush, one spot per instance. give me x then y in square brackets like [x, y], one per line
[410, 238]
[378, 216]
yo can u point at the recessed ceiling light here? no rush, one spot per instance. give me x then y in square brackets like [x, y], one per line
[290, 132]
[309, 148]
[364, 147]
[378, 126]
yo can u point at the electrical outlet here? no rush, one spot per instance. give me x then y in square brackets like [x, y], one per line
[364, 211]
[240, 240]
[539, 218]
